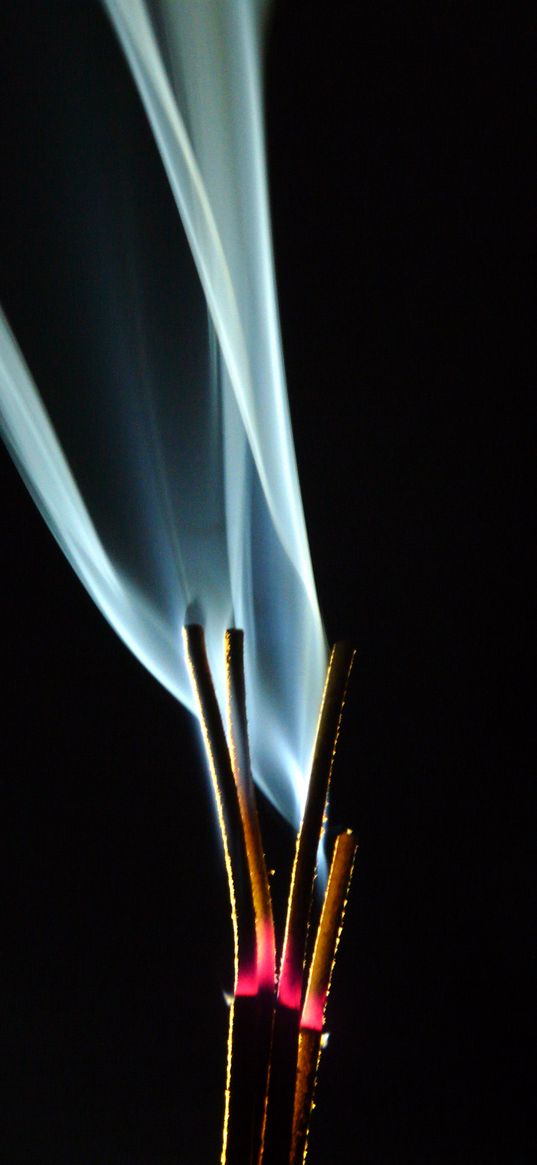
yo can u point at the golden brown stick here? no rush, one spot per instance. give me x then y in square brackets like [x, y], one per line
[238, 1114]
[303, 876]
[286, 1023]
[255, 1039]
[225, 793]
[240, 760]
[251, 1012]
[309, 1055]
[329, 931]
[319, 980]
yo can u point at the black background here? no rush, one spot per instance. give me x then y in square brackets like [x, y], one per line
[400, 143]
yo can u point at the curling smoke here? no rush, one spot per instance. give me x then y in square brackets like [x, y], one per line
[167, 472]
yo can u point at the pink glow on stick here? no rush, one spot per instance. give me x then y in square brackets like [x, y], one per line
[253, 978]
[266, 955]
[290, 986]
[312, 1016]
[246, 981]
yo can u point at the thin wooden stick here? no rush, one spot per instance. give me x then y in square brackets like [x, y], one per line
[281, 1090]
[266, 1120]
[319, 980]
[237, 1133]
[303, 876]
[240, 761]
[257, 1038]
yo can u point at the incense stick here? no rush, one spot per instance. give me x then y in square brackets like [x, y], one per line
[319, 980]
[225, 792]
[303, 876]
[238, 1114]
[286, 1023]
[257, 1037]
[270, 1085]
[240, 761]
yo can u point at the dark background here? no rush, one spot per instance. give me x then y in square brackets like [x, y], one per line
[400, 143]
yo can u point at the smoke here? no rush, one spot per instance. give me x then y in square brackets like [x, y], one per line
[166, 468]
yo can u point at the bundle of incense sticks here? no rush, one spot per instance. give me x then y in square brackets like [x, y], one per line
[276, 1021]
